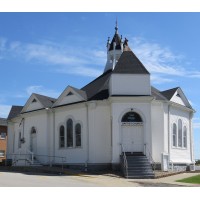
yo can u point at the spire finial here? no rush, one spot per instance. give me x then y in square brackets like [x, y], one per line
[116, 27]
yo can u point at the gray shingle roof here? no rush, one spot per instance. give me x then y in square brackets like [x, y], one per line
[157, 94]
[117, 40]
[169, 93]
[98, 89]
[128, 63]
[15, 110]
[3, 122]
[80, 92]
[47, 102]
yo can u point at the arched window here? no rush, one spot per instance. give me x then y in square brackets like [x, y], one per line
[69, 133]
[131, 117]
[62, 136]
[78, 135]
[185, 137]
[174, 136]
[19, 140]
[33, 130]
[180, 133]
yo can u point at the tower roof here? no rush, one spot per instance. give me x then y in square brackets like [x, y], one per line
[117, 39]
[128, 63]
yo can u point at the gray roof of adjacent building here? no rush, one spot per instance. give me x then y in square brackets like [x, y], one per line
[3, 122]
[14, 112]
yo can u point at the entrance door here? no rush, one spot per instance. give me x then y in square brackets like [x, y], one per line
[132, 138]
[132, 132]
[33, 140]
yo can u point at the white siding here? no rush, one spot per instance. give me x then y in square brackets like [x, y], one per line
[157, 120]
[118, 110]
[99, 133]
[126, 84]
[180, 155]
[78, 113]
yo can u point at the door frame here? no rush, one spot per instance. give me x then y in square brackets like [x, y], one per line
[139, 112]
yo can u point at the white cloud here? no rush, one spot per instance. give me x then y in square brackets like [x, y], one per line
[160, 80]
[39, 89]
[4, 110]
[159, 60]
[82, 71]
[196, 123]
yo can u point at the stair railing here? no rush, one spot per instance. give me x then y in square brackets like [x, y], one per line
[125, 163]
[29, 156]
[149, 156]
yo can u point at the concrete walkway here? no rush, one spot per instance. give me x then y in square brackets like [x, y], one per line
[169, 181]
[45, 177]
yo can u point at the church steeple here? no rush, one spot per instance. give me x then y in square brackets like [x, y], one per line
[114, 50]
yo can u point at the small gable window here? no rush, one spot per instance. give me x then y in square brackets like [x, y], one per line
[69, 133]
[178, 95]
[34, 101]
[62, 137]
[78, 135]
[69, 94]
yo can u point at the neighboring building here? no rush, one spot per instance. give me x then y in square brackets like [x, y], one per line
[119, 112]
[3, 138]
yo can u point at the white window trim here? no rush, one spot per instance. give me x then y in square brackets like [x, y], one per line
[3, 153]
[3, 138]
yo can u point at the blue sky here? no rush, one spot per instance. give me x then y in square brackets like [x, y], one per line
[46, 52]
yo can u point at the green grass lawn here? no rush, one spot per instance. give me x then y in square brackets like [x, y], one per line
[193, 179]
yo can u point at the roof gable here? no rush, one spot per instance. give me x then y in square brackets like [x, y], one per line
[37, 102]
[176, 95]
[98, 88]
[70, 95]
[128, 63]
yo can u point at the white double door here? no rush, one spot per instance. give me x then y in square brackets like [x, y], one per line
[133, 138]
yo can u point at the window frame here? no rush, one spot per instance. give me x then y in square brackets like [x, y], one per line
[174, 135]
[80, 134]
[62, 136]
[180, 133]
[185, 137]
[72, 133]
[3, 138]
[3, 153]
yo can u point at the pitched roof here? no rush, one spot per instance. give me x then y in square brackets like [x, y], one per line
[80, 92]
[3, 122]
[98, 89]
[117, 40]
[15, 110]
[157, 94]
[128, 63]
[46, 101]
[169, 93]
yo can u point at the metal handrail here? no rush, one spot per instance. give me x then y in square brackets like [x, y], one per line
[15, 157]
[149, 156]
[125, 160]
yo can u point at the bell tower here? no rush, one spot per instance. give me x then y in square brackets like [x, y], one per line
[114, 50]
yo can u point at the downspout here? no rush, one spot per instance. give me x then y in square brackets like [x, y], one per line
[53, 111]
[87, 144]
[191, 137]
[169, 135]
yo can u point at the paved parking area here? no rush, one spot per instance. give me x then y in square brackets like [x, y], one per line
[19, 179]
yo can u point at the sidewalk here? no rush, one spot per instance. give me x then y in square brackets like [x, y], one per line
[168, 180]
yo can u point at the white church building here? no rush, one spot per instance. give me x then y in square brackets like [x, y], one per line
[112, 121]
